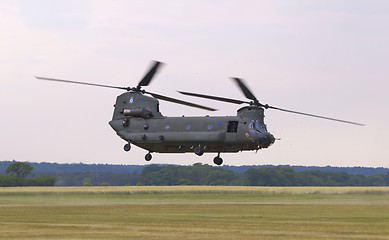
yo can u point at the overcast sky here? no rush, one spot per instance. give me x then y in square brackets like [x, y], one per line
[323, 57]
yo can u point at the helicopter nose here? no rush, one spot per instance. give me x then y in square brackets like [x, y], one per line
[266, 140]
[270, 138]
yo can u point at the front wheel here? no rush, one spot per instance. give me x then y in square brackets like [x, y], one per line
[127, 147]
[148, 157]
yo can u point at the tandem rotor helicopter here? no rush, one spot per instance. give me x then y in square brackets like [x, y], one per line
[138, 121]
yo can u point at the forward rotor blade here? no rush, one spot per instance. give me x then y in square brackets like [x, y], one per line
[245, 89]
[229, 100]
[149, 75]
[82, 83]
[169, 99]
[312, 115]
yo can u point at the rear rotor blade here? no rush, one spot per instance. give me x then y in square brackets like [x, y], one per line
[312, 115]
[245, 89]
[82, 83]
[229, 100]
[169, 99]
[149, 75]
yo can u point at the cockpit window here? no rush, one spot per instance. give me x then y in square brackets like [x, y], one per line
[259, 127]
[255, 125]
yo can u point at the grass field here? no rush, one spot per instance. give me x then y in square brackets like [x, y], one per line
[194, 212]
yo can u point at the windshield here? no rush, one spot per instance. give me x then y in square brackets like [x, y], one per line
[255, 125]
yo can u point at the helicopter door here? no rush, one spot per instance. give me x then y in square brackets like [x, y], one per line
[231, 136]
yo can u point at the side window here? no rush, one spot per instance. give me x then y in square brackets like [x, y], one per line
[232, 126]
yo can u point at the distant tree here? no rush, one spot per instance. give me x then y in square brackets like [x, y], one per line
[87, 183]
[386, 179]
[252, 176]
[376, 180]
[7, 181]
[198, 174]
[19, 169]
[184, 181]
[40, 181]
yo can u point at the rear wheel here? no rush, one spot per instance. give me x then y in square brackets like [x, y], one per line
[199, 151]
[218, 160]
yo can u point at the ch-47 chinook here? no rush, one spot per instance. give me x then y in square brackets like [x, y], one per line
[138, 121]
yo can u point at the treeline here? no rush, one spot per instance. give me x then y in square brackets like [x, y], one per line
[168, 175]
[366, 171]
[58, 168]
[55, 169]
[97, 179]
[199, 174]
[16, 173]
[287, 176]
[8, 181]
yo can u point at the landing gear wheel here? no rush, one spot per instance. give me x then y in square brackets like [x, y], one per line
[148, 157]
[127, 147]
[218, 160]
[198, 151]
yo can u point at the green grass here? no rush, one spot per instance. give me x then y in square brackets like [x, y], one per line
[194, 212]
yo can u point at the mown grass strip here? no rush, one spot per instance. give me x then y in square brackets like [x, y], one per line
[194, 212]
[194, 189]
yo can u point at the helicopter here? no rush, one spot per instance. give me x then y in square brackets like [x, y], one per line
[137, 120]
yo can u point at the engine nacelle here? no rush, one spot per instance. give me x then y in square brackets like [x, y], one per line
[138, 112]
